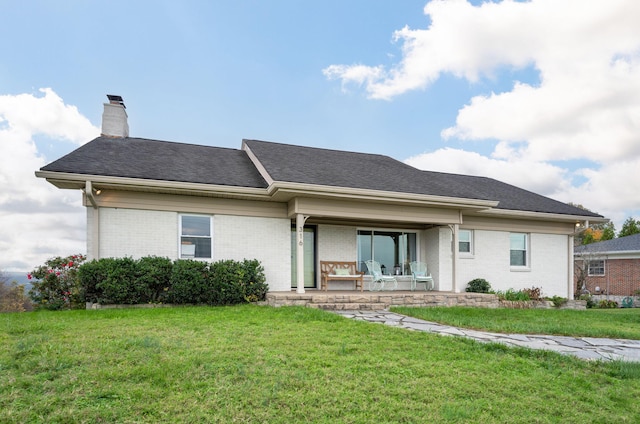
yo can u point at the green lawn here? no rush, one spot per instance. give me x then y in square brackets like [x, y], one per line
[287, 365]
[608, 323]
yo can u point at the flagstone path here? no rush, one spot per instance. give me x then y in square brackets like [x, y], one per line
[583, 347]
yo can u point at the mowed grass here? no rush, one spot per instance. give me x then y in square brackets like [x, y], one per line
[607, 323]
[252, 364]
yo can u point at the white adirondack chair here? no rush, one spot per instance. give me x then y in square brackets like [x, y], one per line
[419, 274]
[379, 280]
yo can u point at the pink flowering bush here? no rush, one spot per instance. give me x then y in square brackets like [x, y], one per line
[56, 285]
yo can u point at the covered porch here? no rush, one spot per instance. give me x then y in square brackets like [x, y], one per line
[394, 235]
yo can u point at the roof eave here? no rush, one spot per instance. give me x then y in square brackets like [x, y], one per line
[546, 216]
[609, 252]
[78, 181]
[285, 191]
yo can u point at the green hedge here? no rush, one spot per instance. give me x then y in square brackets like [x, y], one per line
[159, 280]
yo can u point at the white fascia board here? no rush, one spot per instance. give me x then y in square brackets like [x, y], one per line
[141, 184]
[543, 216]
[615, 254]
[301, 189]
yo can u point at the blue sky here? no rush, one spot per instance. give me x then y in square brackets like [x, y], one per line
[541, 94]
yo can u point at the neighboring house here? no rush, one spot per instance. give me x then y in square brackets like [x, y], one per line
[292, 206]
[610, 267]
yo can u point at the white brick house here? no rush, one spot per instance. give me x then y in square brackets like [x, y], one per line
[291, 207]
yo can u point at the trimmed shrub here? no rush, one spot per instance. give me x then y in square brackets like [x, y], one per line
[189, 282]
[237, 282]
[478, 285]
[156, 280]
[153, 278]
[119, 286]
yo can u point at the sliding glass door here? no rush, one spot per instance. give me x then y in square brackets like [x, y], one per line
[393, 250]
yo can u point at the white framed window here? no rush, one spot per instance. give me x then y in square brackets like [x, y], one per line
[519, 250]
[465, 242]
[196, 237]
[596, 268]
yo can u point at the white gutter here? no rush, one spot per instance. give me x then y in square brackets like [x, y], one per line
[544, 215]
[301, 189]
[127, 182]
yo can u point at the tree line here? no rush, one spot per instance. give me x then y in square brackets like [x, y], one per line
[606, 231]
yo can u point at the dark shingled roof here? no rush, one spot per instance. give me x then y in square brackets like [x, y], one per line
[623, 244]
[285, 162]
[161, 160]
[169, 161]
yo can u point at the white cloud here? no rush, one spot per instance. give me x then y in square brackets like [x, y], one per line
[585, 106]
[610, 190]
[539, 177]
[38, 220]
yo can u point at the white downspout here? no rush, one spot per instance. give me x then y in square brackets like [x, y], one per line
[454, 258]
[571, 277]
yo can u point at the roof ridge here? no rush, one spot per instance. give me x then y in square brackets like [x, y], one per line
[175, 142]
[324, 149]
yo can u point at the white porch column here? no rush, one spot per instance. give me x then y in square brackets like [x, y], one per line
[454, 260]
[300, 220]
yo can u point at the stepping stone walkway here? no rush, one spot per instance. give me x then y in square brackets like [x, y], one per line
[583, 347]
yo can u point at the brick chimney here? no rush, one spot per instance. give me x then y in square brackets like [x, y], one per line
[114, 118]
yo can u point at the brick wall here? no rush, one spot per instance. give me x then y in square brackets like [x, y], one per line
[621, 275]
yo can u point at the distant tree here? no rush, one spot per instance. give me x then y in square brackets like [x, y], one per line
[12, 296]
[595, 232]
[630, 226]
[591, 235]
[608, 231]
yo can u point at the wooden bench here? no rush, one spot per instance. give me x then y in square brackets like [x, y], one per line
[340, 271]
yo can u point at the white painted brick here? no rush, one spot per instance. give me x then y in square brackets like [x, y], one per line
[138, 233]
[265, 239]
[548, 263]
[337, 243]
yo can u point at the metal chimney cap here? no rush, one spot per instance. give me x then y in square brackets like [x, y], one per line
[114, 99]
